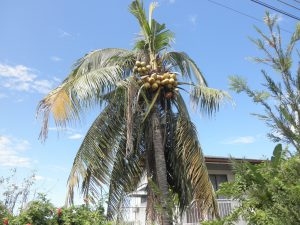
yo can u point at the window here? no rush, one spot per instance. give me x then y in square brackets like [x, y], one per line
[216, 180]
[144, 199]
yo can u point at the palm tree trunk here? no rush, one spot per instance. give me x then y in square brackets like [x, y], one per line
[161, 170]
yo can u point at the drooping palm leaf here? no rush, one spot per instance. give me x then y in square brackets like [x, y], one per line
[178, 179]
[187, 66]
[96, 153]
[125, 177]
[189, 155]
[91, 77]
[207, 99]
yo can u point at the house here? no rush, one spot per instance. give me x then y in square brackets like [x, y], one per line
[219, 170]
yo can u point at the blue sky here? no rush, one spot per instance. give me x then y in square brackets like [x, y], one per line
[40, 40]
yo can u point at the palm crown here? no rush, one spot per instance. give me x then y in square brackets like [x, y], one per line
[144, 128]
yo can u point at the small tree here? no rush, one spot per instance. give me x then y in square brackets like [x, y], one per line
[268, 193]
[15, 195]
[280, 99]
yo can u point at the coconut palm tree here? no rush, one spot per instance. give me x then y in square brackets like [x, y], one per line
[144, 128]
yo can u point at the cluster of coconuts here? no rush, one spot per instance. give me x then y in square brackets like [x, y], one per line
[141, 67]
[152, 81]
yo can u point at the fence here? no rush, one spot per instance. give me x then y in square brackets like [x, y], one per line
[136, 215]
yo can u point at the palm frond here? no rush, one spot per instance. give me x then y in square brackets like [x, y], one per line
[186, 66]
[163, 36]
[152, 6]
[95, 156]
[177, 176]
[207, 99]
[92, 77]
[125, 177]
[137, 9]
[189, 154]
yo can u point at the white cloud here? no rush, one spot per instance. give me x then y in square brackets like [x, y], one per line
[193, 19]
[241, 140]
[64, 34]
[67, 130]
[37, 178]
[10, 149]
[55, 58]
[56, 79]
[171, 1]
[75, 136]
[22, 78]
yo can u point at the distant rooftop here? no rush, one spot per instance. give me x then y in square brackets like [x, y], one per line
[227, 160]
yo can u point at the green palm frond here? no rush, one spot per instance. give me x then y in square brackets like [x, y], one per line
[125, 177]
[155, 36]
[208, 99]
[162, 37]
[92, 77]
[178, 179]
[95, 157]
[187, 67]
[189, 156]
[137, 9]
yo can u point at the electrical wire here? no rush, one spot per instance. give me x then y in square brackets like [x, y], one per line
[243, 14]
[234, 10]
[288, 4]
[275, 9]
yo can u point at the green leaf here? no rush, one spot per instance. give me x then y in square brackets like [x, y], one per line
[277, 155]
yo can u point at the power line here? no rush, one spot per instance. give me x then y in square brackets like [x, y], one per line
[234, 10]
[243, 14]
[275, 9]
[290, 5]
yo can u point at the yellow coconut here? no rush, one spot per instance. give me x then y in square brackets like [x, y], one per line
[154, 86]
[148, 67]
[159, 77]
[139, 69]
[175, 84]
[143, 64]
[170, 86]
[165, 82]
[158, 82]
[138, 63]
[147, 85]
[151, 80]
[166, 76]
[154, 76]
[173, 75]
[171, 81]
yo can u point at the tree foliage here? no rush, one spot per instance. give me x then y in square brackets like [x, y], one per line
[15, 195]
[268, 193]
[40, 211]
[280, 97]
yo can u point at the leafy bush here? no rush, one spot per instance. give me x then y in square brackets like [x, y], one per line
[42, 212]
[268, 193]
